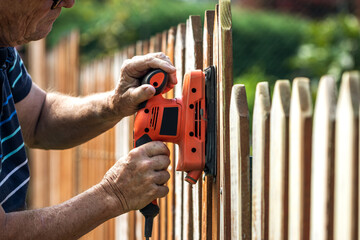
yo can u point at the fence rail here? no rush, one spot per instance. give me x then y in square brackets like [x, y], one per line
[302, 181]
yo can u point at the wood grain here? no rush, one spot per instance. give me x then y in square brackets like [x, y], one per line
[300, 159]
[179, 61]
[346, 158]
[322, 185]
[240, 164]
[225, 69]
[206, 227]
[279, 161]
[260, 163]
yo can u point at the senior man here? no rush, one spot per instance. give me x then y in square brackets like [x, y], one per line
[55, 121]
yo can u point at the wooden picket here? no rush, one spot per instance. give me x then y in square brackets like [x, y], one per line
[299, 159]
[322, 187]
[240, 165]
[346, 158]
[279, 161]
[302, 181]
[260, 166]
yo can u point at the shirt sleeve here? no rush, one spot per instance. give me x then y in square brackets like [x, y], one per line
[19, 79]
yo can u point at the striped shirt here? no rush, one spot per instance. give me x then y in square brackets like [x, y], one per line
[14, 171]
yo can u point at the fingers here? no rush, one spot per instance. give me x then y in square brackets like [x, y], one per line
[161, 191]
[138, 66]
[161, 177]
[142, 93]
[155, 148]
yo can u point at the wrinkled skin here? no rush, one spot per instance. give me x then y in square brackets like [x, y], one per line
[46, 118]
[24, 21]
[139, 178]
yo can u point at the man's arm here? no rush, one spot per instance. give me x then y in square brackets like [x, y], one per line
[130, 184]
[56, 121]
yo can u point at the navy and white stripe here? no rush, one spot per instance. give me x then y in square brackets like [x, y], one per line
[14, 170]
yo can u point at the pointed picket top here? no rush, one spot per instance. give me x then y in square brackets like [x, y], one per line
[193, 41]
[346, 158]
[240, 164]
[322, 175]
[300, 159]
[260, 162]
[225, 14]
[279, 160]
[179, 59]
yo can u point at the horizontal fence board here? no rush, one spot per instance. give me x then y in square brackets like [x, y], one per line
[346, 158]
[279, 161]
[322, 186]
[260, 162]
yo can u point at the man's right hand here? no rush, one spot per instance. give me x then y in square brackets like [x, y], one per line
[138, 178]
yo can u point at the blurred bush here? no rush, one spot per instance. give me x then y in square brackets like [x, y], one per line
[266, 45]
[330, 46]
[106, 26]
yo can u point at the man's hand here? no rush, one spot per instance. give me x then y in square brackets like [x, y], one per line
[137, 179]
[128, 94]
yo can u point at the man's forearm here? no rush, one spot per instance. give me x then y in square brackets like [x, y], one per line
[69, 220]
[69, 121]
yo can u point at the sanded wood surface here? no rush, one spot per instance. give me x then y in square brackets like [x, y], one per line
[208, 180]
[322, 185]
[240, 165]
[279, 161]
[225, 69]
[346, 158]
[194, 61]
[169, 50]
[260, 162]
[300, 159]
[216, 183]
[179, 61]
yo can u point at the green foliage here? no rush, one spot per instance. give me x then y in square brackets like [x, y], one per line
[265, 40]
[108, 27]
[330, 46]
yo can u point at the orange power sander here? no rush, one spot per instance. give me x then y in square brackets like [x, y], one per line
[189, 121]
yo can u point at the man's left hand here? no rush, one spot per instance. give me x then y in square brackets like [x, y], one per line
[128, 93]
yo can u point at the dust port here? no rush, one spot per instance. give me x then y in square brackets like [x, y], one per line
[146, 110]
[146, 130]
[193, 150]
[193, 90]
[191, 134]
[191, 106]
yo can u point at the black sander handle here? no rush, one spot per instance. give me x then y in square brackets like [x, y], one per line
[149, 211]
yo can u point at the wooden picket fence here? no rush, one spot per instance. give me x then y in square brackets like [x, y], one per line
[302, 181]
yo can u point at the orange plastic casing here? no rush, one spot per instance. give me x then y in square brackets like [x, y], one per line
[181, 121]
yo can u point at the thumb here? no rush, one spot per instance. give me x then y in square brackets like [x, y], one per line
[142, 93]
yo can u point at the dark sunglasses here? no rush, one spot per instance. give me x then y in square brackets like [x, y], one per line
[55, 4]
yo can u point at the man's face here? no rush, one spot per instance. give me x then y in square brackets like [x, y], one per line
[22, 21]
